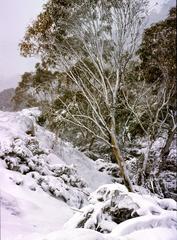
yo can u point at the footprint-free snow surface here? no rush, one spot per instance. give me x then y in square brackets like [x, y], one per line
[51, 191]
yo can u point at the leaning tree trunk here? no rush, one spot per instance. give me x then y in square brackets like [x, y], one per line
[117, 153]
[120, 162]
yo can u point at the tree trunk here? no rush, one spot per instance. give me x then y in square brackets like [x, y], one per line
[91, 143]
[143, 173]
[165, 149]
[120, 162]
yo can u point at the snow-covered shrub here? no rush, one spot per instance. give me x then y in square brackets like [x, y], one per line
[57, 188]
[68, 174]
[21, 158]
[59, 180]
[12, 163]
[31, 155]
[62, 182]
[108, 167]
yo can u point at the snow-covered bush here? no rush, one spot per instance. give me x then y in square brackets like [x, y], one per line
[58, 188]
[59, 180]
[68, 174]
[108, 167]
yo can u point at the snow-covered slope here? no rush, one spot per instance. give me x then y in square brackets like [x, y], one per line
[25, 214]
[38, 183]
[46, 188]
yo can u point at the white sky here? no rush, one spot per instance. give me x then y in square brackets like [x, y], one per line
[15, 16]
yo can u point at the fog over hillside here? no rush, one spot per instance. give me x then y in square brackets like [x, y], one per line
[9, 81]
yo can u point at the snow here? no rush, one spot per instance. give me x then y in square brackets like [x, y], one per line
[39, 182]
[165, 220]
[76, 234]
[114, 210]
[157, 233]
[85, 167]
[27, 213]
[51, 191]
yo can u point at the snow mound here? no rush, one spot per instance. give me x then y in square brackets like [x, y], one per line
[165, 220]
[76, 234]
[158, 233]
[114, 210]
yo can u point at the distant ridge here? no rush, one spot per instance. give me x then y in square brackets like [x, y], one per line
[5, 99]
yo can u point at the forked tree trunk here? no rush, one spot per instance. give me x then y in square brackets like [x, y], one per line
[120, 162]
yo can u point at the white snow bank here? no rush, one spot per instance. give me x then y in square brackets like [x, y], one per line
[29, 213]
[76, 234]
[165, 220]
[157, 233]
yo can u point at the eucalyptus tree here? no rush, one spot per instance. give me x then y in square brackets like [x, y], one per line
[93, 43]
[153, 102]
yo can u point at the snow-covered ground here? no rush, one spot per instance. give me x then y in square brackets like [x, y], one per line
[41, 182]
[51, 191]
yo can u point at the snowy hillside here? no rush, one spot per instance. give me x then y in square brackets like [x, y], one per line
[51, 191]
[37, 178]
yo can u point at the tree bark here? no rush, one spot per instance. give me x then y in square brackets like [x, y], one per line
[120, 162]
[115, 149]
[91, 143]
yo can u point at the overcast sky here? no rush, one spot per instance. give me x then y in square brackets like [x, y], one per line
[15, 16]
